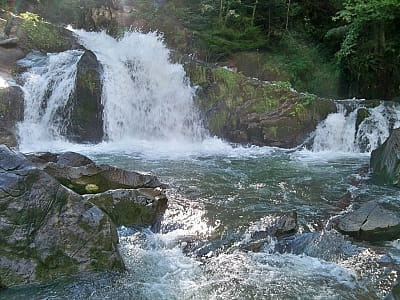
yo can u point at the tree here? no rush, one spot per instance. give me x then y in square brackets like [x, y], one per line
[369, 55]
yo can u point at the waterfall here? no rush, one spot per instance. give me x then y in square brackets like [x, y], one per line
[346, 131]
[47, 84]
[145, 96]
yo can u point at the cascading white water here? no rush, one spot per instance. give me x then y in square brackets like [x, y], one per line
[48, 84]
[375, 129]
[145, 96]
[338, 132]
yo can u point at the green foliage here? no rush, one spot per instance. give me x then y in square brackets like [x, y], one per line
[42, 35]
[303, 66]
[223, 41]
[306, 100]
[368, 55]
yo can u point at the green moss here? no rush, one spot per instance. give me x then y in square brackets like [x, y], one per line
[86, 80]
[91, 188]
[273, 131]
[217, 122]
[42, 35]
[55, 265]
[3, 108]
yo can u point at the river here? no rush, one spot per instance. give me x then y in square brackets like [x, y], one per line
[219, 193]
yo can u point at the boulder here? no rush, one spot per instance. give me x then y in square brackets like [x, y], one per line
[373, 221]
[71, 159]
[385, 160]
[274, 226]
[86, 114]
[83, 176]
[11, 112]
[249, 111]
[47, 230]
[30, 32]
[327, 245]
[129, 207]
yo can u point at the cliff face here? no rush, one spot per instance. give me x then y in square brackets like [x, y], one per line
[249, 111]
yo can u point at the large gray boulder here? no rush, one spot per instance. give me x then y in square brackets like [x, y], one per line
[128, 198]
[11, 112]
[385, 160]
[373, 221]
[86, 114]
[47, 230]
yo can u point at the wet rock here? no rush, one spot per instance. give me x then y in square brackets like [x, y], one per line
[274, 226]
[362, 114]
[245, 110]
[46, 230]
[140, 207]
[11, 112]
[71, 159]
[86, 114]
[326, 245]
[385, 160]
[90, 178]
[373, 221]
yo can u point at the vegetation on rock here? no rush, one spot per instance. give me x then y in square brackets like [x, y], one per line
[246, 110]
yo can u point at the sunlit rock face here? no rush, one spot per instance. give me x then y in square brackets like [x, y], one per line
[46, 229]
[373, 221]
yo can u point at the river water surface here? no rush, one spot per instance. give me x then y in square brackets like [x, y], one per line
[219, 194]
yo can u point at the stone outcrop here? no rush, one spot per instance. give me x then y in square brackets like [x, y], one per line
[385, 160]
[245, 110]
[46, 230]
[86, 114]
[11, 112]
[373, 221]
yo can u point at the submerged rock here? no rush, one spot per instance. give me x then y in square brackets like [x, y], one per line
[11, 112]
[274, 226]
[385, 160]
[86, 109]
[373, 221]
[245, 110]
[47, 230]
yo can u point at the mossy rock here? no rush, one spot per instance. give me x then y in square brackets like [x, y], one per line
[131, 207]
[249, 111]
[49, 231]
[385, 162]
[86, 109]
[11, 112]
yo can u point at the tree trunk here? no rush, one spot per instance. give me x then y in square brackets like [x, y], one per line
[254, 13]
[287, 15]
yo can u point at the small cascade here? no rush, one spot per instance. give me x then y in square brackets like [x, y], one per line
[347, 131]
[145, 96]
[48, 84]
